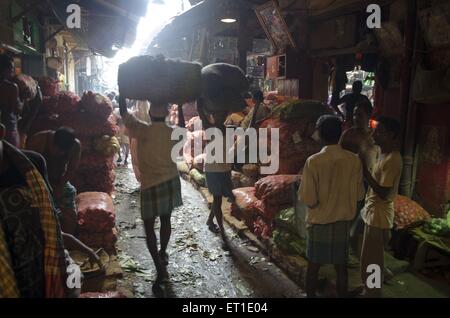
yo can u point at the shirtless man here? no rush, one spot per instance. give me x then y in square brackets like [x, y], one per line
[358, 139]
[62, 152]
[10, 102]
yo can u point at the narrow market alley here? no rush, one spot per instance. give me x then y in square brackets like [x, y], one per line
[313, 131]
[198, 266]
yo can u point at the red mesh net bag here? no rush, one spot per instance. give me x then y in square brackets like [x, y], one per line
[48, 85]
[96, 105]
[95, 211]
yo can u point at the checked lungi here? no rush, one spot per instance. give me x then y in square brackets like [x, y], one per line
[328, 243]
[161, 199]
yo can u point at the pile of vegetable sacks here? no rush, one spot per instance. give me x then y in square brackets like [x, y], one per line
[90, 117]
[257, 206]
[96, 105]
[295, 143]
[96, 220]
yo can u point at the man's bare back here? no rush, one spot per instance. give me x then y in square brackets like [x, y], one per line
[57, 163]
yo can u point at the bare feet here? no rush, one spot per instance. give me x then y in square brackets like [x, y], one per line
[213, 227]
[163, 276]
[164, 257]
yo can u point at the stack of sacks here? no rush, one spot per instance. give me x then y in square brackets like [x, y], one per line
[96, 105]
[286, 235]
[272, 193]
[53, 109]
[96, 220]
[408, 212]
[90, 117]
[295, 143]
[94, 178]
[296, 122]
[96, 169]
[87, 126]
[93, 160]
[93, 123]
[68, 103]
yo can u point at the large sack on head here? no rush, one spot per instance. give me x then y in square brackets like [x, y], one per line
[223, 86]
[160, 79]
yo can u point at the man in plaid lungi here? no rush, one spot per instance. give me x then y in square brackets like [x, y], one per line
[160, 182]
[331, 186]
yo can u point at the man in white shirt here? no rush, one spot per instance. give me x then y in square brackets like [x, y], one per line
[331, 186]
[378, 212]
